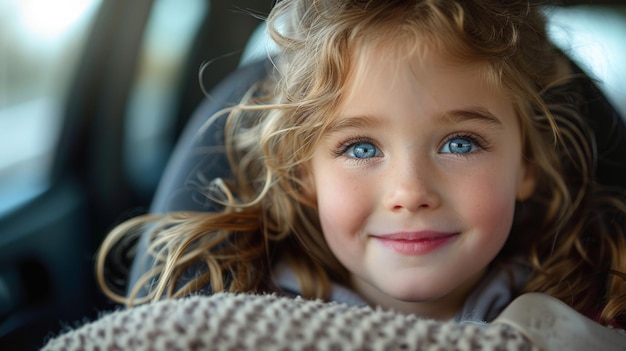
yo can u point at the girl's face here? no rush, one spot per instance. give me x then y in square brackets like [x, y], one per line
[416, 181]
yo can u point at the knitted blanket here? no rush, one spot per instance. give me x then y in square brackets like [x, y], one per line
[226, 321]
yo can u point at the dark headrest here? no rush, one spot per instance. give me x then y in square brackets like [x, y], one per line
[609, 130]
[198, 158]
[199, 155]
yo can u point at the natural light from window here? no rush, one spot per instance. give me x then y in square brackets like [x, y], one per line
[40, 42]
[594, 36]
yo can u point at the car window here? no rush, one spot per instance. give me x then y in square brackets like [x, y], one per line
[40, 45]
[167, 41]
[594, 37]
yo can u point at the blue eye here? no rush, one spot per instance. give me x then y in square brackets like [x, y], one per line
[362, 150]
[458, 145]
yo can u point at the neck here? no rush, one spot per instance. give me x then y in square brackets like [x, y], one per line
[439, 308]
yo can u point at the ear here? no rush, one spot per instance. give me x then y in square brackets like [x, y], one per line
[527, 182]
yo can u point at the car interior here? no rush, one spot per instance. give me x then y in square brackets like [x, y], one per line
[99, 112]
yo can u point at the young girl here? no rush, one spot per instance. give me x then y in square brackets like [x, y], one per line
[432, 157]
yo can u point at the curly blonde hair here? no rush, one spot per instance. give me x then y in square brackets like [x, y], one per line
[571, 229]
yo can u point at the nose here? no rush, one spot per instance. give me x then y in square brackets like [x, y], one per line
[412, 186]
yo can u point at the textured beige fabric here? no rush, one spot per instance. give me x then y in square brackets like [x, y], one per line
[553, 325]
[227, 321]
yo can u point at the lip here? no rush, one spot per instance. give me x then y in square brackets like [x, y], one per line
[416, 243]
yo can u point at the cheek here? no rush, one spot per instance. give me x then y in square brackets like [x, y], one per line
[493, 205]
[343, 206]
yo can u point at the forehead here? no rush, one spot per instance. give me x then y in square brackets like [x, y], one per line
[419, 63]
[387, 82]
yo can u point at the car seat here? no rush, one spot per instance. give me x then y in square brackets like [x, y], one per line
[198, 157]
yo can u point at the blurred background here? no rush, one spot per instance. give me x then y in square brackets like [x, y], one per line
[93, 96]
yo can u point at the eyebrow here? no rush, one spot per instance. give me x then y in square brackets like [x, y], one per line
[353, 122]
[477, 113]
[472, 113]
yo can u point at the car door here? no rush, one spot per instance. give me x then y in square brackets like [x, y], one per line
[93, 95]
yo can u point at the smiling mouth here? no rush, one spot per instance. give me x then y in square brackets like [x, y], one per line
[417, 243]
